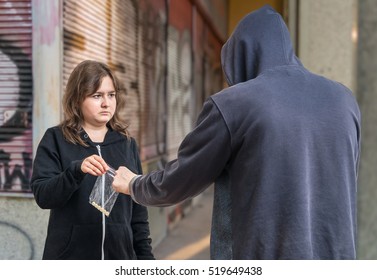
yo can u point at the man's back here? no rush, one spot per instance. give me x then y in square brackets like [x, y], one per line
[295, 143]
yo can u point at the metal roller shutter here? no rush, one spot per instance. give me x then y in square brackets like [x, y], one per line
[15, 96]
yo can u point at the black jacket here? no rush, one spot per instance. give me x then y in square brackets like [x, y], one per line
[75, 226]
[282, 146]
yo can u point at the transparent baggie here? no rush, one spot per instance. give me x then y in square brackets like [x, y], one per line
[103, 196]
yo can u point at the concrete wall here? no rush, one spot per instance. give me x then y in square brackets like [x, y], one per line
[367, 98]
[326, 44]
[23, 227]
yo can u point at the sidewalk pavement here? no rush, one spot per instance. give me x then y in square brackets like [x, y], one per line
[189, 238]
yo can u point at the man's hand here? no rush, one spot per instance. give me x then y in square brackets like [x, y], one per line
[122, 180]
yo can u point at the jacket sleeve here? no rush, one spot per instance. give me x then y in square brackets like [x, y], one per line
[52, 186]
[139, 222]
[202, 156]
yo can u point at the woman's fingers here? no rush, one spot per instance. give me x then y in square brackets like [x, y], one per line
[94, 165]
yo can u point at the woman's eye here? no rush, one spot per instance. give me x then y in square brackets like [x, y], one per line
[96, 96]
[111, 95]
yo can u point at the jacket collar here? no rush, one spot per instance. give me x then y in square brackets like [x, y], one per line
[111, 137]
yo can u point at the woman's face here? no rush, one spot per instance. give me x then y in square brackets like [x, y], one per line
[99, 107]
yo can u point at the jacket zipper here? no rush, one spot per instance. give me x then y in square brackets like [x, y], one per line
[103, 215]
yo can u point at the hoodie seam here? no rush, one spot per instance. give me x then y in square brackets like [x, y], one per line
[276, 68]
[226, 124]
[277, 18]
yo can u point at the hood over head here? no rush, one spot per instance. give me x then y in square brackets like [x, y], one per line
[260, 41]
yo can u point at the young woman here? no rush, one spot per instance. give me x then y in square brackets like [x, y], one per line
[71, 156]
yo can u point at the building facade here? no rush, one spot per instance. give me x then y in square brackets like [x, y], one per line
[167, 55]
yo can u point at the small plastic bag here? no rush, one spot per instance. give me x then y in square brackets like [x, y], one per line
[103, 196]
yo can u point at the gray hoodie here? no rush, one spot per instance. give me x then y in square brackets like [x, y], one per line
[282, 146]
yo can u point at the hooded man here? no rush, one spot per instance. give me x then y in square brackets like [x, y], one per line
[282, 146]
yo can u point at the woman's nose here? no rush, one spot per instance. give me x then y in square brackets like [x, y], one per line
[105, 102]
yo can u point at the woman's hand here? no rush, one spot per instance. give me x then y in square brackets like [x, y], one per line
[122, 180]
[94, 165]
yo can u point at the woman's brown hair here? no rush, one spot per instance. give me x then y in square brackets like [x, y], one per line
[85, 80]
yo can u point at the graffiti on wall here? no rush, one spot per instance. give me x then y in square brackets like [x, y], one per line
[180, 83]
[15, 116]
[153, 47]
[16, 240]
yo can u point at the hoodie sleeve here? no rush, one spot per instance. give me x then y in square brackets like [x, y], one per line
[52, 186]
[139, 221]
[202, 157]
